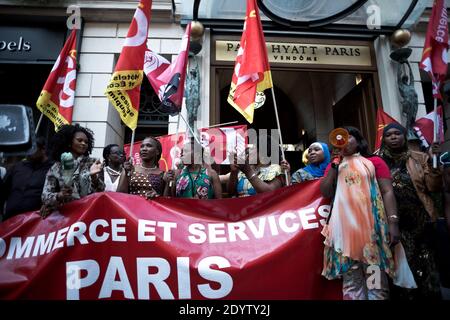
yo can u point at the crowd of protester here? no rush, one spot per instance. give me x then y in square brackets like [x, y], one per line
[377, 201]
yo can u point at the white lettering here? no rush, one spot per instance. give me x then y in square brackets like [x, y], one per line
[93, 230]
[116, 266]
[223, 278]
[79, 234]
[305, 216]
[288, 215]
[184, 278]
[198, 234]
[43, 246]
[157, 279]
[115, 229]
[59, 242]
[74, 282]
[214, 230]
[16, 247]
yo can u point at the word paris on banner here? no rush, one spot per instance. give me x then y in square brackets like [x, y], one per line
[120, 246]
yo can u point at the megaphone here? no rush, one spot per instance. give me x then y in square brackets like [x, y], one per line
[339, 138]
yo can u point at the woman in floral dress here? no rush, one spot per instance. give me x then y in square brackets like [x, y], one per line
[363, 223]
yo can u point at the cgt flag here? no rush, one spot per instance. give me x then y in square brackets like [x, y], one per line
[57, 97]
[170, 81]
[154, 65]
[123, 90]
[252, 70]
[424, 127]
[434, 56]
[383, 119]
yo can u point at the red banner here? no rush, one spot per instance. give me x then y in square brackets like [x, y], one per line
[218, 141]
[57, 97]
[119, 246]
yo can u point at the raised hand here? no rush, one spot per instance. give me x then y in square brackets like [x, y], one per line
[169, 176]
[233, 162]
[435, 149]
[151, 194]
[128, 166]
[285, 166]
[96, 168]
[65, 194]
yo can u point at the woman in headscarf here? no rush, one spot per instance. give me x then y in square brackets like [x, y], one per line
[413, 180]
[363, 222]
[318, 160]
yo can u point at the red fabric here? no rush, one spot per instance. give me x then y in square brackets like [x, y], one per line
[267, 246]
[124, 88]
[173, 78]
[383, 119]
[424, 127]
[61, 84]
[381, 169]
[434, 56]
[218, 140]
[252, 69]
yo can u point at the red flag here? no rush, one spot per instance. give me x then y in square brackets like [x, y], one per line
[434, 56]
[123, 90]
[424, 128]
[169, 79]
[383, 119]
[252, 70]
[154, 65]
[57, 97]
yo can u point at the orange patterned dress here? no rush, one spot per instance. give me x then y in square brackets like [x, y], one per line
[358, 228]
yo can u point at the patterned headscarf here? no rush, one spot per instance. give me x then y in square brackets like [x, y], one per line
[318, 170]
[394, 158]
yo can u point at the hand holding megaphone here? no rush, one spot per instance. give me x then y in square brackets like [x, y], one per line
[339, 140]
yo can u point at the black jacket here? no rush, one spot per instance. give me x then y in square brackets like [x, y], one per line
[22, 187]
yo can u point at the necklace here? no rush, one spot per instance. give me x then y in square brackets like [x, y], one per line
[112, 172]
[148, 168]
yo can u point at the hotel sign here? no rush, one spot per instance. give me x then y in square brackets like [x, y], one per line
[303, 53]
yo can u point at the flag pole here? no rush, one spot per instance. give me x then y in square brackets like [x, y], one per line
[190, 129]
[176, 138]
[279, 133]
[131, 145]
[176, 145]
[435, 129]
[39, 123]
[222, 124]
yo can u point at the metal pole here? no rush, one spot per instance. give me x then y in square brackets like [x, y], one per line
[131, 146]
[222, 124]
[435, 129]
[38, 124]
[190, 129]
[279, 133]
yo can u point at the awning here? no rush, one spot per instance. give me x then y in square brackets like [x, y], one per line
[343, 17]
